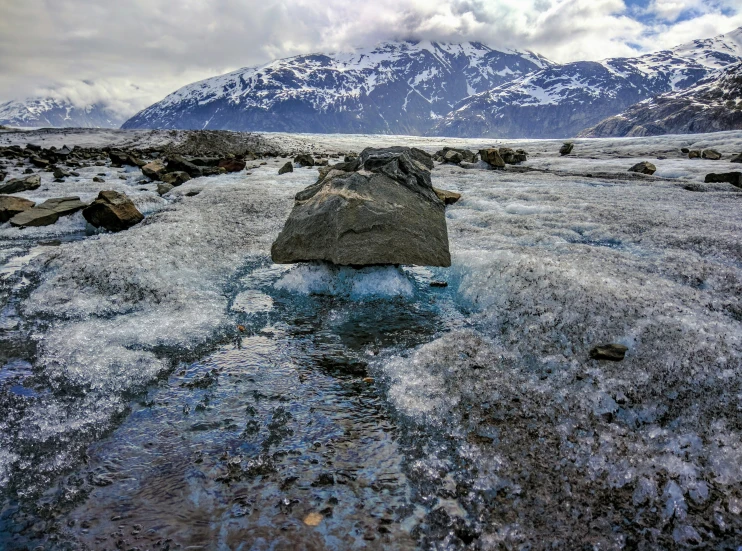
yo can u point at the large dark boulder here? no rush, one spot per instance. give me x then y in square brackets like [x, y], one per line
[645, 167]
[492, 157]
[734, 178]
[16, 185]
[113, 211]
[566, 148]
[378, 209]
[10, 206]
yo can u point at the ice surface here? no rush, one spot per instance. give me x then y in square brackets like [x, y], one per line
[324, 279]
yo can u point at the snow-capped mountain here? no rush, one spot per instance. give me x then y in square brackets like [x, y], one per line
[712, 105]
[561, 100]
[49, 112]
[397, 87]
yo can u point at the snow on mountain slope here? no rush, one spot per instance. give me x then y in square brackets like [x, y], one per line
[712, 105]
[397, 87]
[561, 100]
[50, 112]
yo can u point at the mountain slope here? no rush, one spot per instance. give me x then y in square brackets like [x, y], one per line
[559, 101]
[48, 112]
[397, 87]
[712, 105]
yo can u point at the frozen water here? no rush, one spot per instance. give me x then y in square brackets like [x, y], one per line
[325, 279]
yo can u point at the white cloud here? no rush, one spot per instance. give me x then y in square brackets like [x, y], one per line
[137, 51]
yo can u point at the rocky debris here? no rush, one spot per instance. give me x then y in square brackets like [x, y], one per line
[98, 180]
[10, 206]
[154, 170]
[162, 189]
[448, 197]
[175, 178]
[455, 156]
[513, 157]
[120, 158]
[645, 167]
[566, 148]
[734, 178]
[711, 154]
[610, 352]
[113, 211]
[232, 165]
[36, 216]
[378, 209]
[736, 158]
[304, 160]
[17, 185]
[288, 167]
[694, 154]
[492, 157]
[63, 206]
[177, 163]
[39, 162]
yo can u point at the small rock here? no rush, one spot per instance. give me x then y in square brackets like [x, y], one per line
[162, 188]
[113, 211]
[684, 150]
[39, 162]
[736, 159]
[21, 184]
[193, 193]
[175, 178]
[154, 170]
[176, 163]
[439, 284]
[10, 206]
[734, 178]
[448, 197]
[232, 165]
[694, 154]
[304, 159]
[610, 352]
[98, 180]
[313, 519]
[513, 157]
[288, 167]
[711, 154]
[644, 167]
[566, 149]
[61, 173]
[36, 216]
[28, 171]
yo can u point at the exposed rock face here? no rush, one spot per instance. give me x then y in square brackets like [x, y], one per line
[644, 167]
[17, 185]
[288, 167]
[734, 178]
[113, 211]
[379, 209]
[10, 206]
[566, 149]
[175, 178]
[492, 157]
[154, 170]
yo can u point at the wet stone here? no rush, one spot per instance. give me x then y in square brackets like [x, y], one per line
[610, 352]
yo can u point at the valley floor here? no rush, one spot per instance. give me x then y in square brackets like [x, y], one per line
[368, 409]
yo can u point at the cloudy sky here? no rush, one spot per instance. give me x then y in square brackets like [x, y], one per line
[131, 53]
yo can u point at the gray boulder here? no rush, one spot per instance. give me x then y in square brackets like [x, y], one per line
[63, 206]
[17, 185]
[10, 206]
[566, 149]
[736, 159]
[162, 189]
[734, 178]
[176, 163]
[694, 154]
[513, 157]
[378, 209]
[711, 154]
[644, 167]
[288, 167]
[113, 211]
[36, 216]
[304, 159]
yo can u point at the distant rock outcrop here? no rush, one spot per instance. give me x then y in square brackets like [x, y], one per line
[378, 209]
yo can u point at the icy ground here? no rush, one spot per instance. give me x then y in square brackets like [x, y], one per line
[499, 430]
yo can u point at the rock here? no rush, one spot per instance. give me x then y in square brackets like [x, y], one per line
[35, 216]
[232, 165]
[288, 167]
[206, 161]
[383, 211]
[644, 167]
[684, 150]
[694, 154]
[63, 206]
[492, 157]
[175, 178]
[39, 162]
[439, 284]
[61, 173]
[455, 156]
[566, 149]
[176, 163]
[304, 159]
[736, 159]
[28, 171]
[610, 352]
[162, 189]
[448, 197]
[734, 178]
[113, 211]
[711, 154]
[512, 157]
[16, 185]
[98, 180]
[10, 206]
[154, 170]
